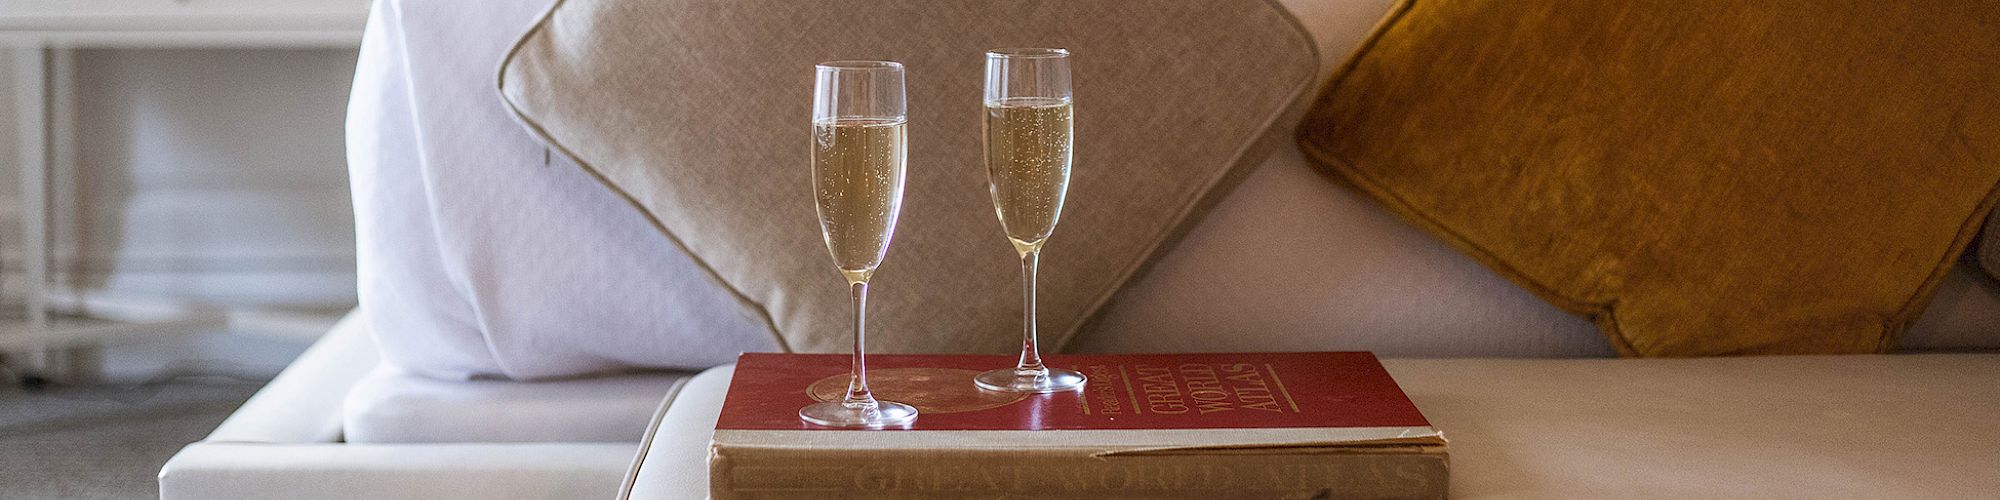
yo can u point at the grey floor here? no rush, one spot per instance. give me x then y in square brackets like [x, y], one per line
[105, 441]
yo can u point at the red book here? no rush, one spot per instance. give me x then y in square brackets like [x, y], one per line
[1149, 425]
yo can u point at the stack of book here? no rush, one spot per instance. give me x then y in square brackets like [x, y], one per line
[1265, 425]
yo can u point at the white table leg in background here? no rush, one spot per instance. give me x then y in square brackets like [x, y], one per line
[81, 362]
[32, 99]
[68, 347]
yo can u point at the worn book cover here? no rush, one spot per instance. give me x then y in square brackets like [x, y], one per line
[1271, 425]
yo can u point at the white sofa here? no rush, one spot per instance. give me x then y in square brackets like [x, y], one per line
[336, 424]
[288, 441]
[339, 424]
[1880, 426]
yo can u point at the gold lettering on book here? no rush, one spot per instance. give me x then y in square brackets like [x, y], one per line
[1251, 389]
[1281, 388]
[1127, 379]
[1105, 394]
[1405, 473]
[1141, 477]
[1205, 389]
[966, 477]
[1163, 395]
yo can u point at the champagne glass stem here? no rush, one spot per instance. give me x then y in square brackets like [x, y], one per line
[1030, 375]
[1031, 354]
[858, 395]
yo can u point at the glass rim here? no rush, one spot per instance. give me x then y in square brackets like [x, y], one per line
[859, 65]
[1027, 53]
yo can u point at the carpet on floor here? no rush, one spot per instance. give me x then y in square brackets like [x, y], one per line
[108, 440]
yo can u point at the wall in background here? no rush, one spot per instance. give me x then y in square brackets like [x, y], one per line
[9, 154]
[211, 175]
[208, 176]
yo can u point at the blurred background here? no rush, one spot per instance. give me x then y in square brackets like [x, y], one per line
[181, 164]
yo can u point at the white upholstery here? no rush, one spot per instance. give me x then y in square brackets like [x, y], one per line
[330, 471]
[675, 464]
[389, 406]
[1877, 426]
[1881, 426]
[285, 443]
[482, 253]
[293, 408]
[1293, 262]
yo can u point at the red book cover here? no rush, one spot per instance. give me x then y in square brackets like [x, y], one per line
[1254, 425]
[1125, 391]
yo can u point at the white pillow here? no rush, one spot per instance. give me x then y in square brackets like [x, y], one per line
[483, 255]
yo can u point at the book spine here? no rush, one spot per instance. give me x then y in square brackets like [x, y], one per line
[741, 473]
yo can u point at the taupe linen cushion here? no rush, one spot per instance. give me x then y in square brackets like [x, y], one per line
[698, 112]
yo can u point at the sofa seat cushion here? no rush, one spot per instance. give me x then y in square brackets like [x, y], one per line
[1871, 426]
[390, 406]
[1864, 426]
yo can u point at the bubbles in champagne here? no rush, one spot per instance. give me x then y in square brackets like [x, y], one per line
[858, 167]
[1028, 155]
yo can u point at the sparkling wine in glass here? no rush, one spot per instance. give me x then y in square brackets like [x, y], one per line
[1028, 151]
[858, 158]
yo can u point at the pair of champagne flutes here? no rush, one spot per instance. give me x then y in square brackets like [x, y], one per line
[859, 130]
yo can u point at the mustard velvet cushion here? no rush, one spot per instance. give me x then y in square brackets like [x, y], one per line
[699, 111]
[1708, 177]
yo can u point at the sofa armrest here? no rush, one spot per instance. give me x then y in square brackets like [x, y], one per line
[210, 470]
[303, 403]
[285, 442]
[674, 462]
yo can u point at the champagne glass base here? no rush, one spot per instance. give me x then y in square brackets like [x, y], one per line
[885, 414]
[1030, 382]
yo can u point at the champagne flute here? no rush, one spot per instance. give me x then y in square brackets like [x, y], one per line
[858, 161]
[1028, 146]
